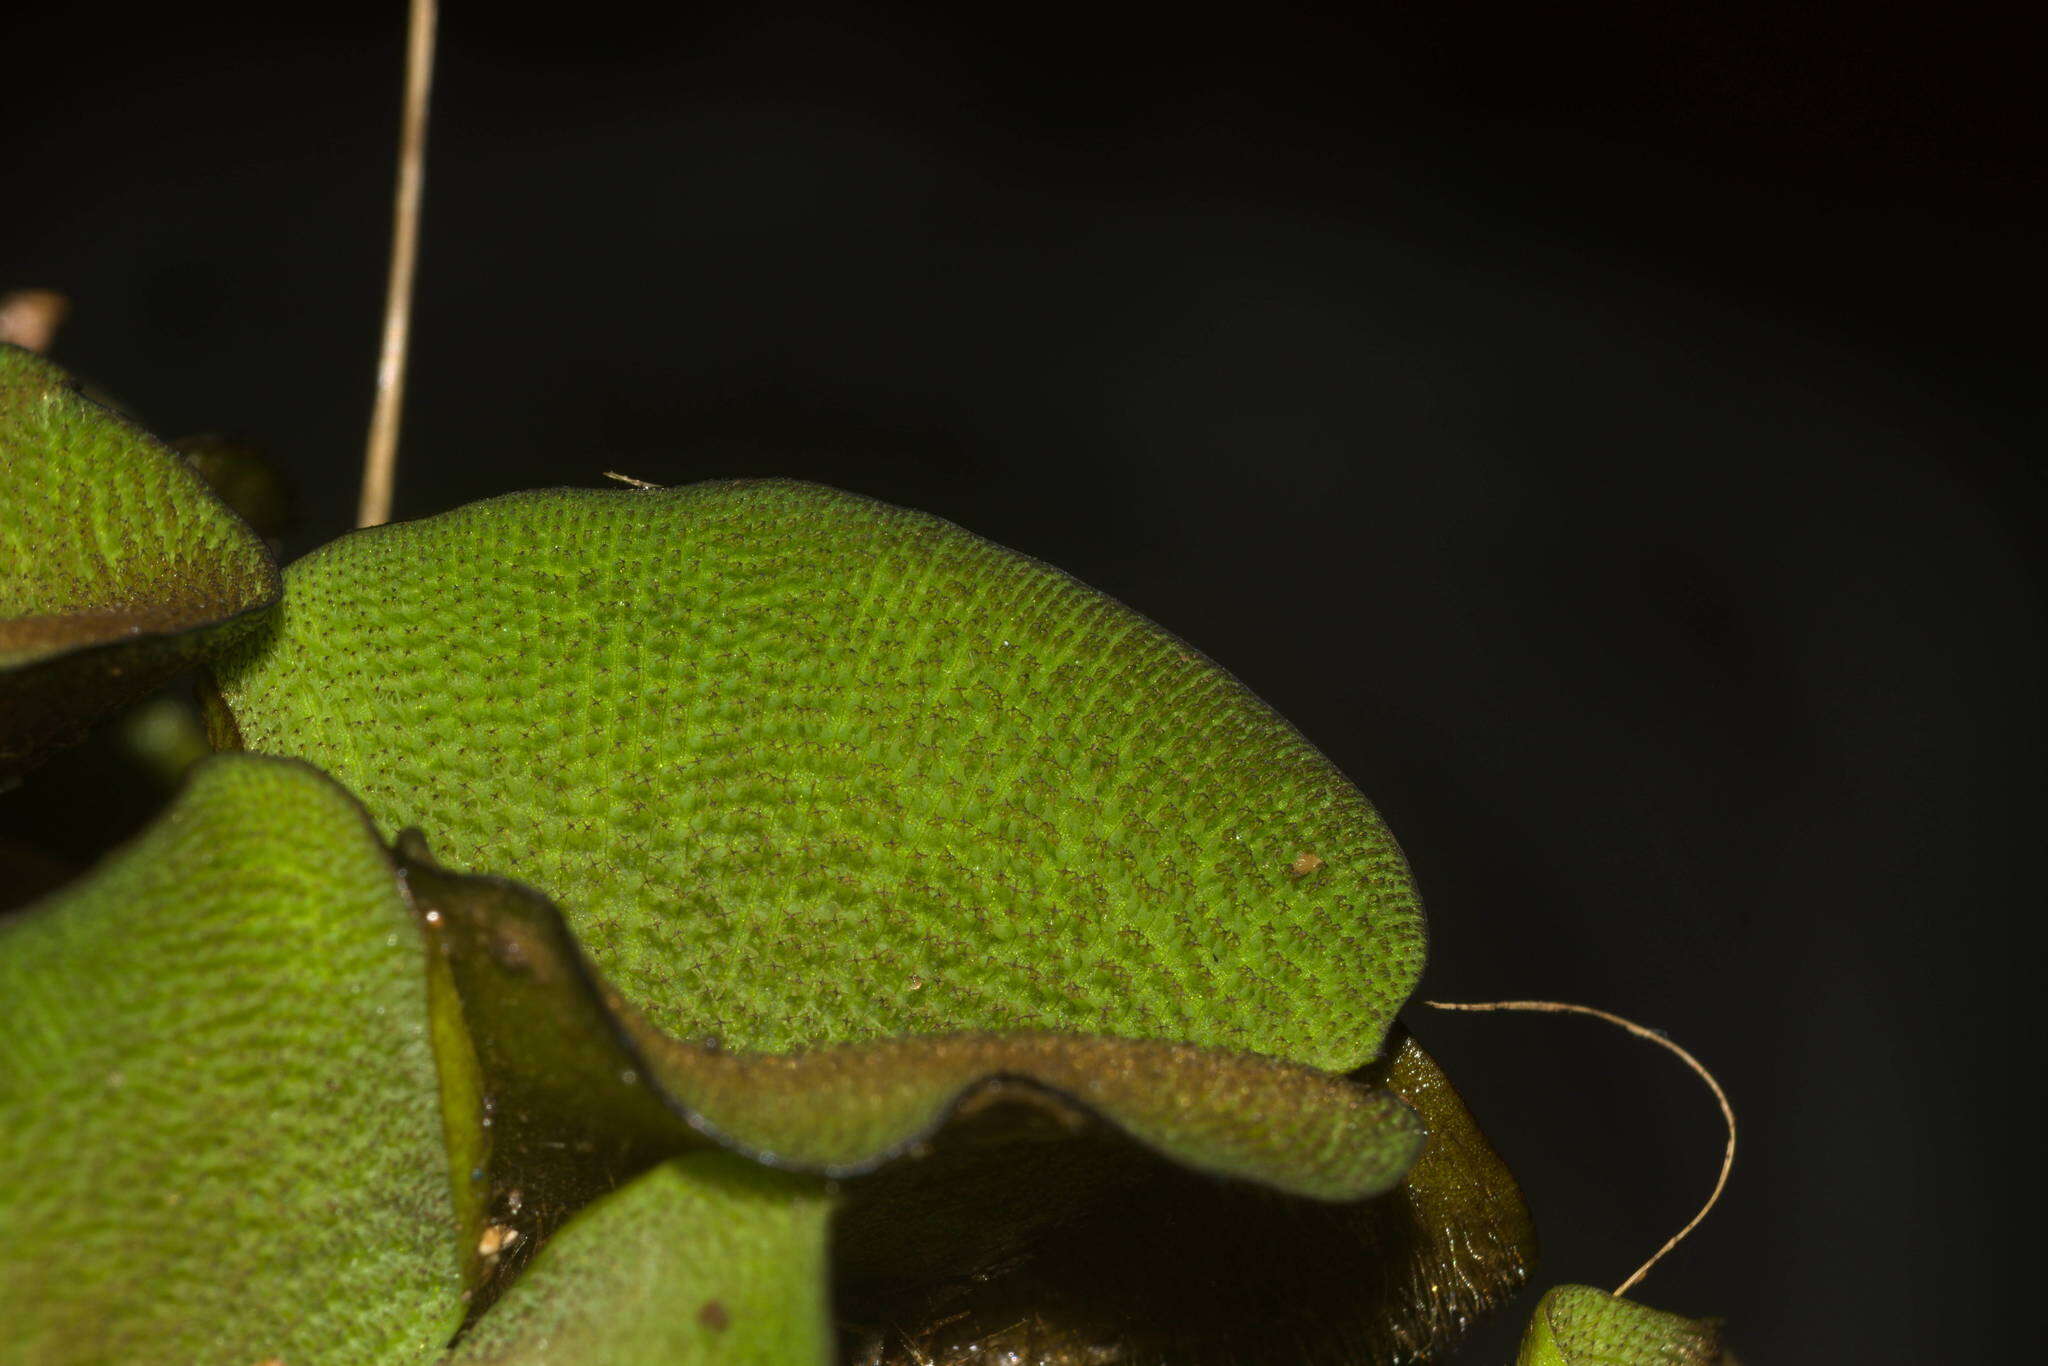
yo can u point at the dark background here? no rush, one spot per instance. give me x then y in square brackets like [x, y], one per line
[1609, 433]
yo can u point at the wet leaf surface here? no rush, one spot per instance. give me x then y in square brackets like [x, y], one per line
[218, 1135]
[118, 565]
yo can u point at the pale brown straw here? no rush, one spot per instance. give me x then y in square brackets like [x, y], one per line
[380, 456]
[30, 317]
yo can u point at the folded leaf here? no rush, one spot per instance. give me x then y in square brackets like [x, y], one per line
[540, 1020]
[118, 565]
[1097, 1190]
[807, 769]
[218, 1134]
[1161, 1265]
[1456, 1239]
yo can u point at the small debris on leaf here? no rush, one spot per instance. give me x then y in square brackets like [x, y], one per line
[497, 1238]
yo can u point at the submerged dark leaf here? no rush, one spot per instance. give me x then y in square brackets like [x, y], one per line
[118, 565]
[245, 478]
[1161, 1268]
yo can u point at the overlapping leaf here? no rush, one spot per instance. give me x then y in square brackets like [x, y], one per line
[805, 769]
[1095, 1191]
[118, 565]
[705, 1259]
[846, 1109]
[1161, 1265]
[218, 1133]
[903, 854]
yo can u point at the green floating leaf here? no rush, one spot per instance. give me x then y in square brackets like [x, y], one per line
[1577, 1325]
[118, 565]
[1065, 1188]
[809, 770]
[704, 1259]
[218, 1136]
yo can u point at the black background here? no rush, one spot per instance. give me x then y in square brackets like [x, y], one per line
[1608, 433]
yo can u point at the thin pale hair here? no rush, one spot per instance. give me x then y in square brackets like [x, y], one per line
[1653, 1036]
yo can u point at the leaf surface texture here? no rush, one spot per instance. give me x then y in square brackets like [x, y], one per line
[805, 769]
[118, 565]
[218, 1133]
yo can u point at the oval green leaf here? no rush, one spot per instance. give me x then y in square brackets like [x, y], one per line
[1577, 1325]
[118, 565]
[705, 1259]
[219, 1140]
[809, 770]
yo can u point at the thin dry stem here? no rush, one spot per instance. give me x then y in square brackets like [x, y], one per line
[30, 318]
[1641, 1032]
[629, 479]
[380, 457]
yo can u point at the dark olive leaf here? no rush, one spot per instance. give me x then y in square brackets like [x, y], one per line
[29, 872]
[1160, 1266]
[162, 737]
[1456, 1240]
[101, 794]
[118, 565]
[809, 770]
[218, 1133]
[547, 1105]
[244, 477]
